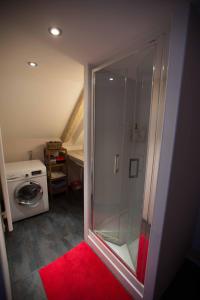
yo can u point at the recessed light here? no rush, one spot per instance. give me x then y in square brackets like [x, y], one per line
[55, 31]
[32, 64]
[111, 78]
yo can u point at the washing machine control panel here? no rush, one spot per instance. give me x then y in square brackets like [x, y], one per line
[33, 173]
[17, 176]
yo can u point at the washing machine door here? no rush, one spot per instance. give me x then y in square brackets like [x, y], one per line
[29, 194]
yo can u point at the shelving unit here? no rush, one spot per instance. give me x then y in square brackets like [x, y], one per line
[56, 163]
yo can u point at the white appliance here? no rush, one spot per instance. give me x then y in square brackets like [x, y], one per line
[27, 188]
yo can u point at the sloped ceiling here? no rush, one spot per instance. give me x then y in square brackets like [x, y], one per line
[38, 102]
[34, 102]
[92, 29]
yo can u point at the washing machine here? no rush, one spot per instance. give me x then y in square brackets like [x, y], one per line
[27, 188]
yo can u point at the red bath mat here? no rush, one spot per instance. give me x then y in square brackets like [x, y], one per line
[81, 275]
[142, 257]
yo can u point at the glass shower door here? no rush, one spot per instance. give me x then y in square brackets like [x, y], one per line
[122, 106]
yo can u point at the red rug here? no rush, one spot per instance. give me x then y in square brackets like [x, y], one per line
[142, 257]
[81, 275]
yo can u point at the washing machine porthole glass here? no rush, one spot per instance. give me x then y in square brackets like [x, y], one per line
[29, 194]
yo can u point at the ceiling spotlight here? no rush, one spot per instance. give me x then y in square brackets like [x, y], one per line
[32, 64]
[111, 78]
[55, 31]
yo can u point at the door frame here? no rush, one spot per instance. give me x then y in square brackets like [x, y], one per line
[3, 252]
[126, 277]
[4, 262]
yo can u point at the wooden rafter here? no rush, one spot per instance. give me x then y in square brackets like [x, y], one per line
[74, 127]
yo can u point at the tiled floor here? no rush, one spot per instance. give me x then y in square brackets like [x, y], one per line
[37, 241]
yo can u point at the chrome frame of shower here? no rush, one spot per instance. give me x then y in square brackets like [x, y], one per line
[116, 265]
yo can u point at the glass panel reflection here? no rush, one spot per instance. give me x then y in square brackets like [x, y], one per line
[122, 102]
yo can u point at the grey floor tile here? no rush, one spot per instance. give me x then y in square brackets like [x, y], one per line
[37, 241]
[29, 288]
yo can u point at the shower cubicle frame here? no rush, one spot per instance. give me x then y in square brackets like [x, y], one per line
[116, 265]
[171, 66]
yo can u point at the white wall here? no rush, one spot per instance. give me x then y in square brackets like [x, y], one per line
[37, 102]
[177, 193]
[17, 149]
[184, 188]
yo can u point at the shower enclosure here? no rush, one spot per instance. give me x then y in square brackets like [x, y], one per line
[126, 127]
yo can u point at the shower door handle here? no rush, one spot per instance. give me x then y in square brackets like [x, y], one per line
[116, 164]
[133, 167]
